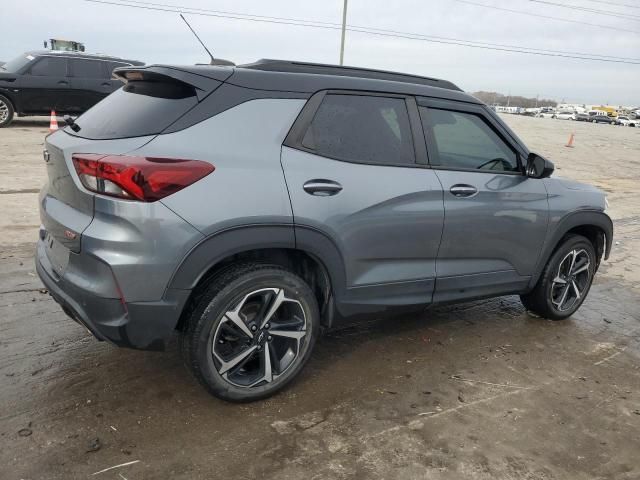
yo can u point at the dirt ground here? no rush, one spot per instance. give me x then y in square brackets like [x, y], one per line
[480, 390]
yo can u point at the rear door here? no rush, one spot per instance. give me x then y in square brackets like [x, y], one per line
[495, 216]
[357, 173]
[45, 85]
[90, 83]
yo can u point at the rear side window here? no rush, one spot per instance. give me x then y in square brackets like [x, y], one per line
[87, 68]
[50, 67]
[137, 109]
[361, 128]
[466, 141]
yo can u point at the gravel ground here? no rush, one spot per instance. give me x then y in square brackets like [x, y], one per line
[480, 390]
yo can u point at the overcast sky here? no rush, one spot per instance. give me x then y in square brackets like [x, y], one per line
[161, 37]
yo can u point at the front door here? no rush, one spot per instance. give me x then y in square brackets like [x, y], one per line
[45, 86]
[495, 216]
[357, 177]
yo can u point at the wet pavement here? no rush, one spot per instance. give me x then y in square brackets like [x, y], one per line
[480, 390]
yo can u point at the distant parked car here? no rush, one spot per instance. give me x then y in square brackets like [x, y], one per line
[547, 114]
[601, 117]
[626, 121]
[565, 115]
[68, 82]
[583, 117]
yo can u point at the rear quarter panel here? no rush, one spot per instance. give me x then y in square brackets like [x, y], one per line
[248, 185]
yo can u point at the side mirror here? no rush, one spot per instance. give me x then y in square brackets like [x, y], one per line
[539, 167]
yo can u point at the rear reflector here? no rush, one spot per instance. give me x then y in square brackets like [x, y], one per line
[145, 179]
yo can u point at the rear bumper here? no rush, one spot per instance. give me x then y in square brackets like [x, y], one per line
[139, 325]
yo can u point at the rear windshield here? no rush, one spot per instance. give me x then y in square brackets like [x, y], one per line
[139, 108]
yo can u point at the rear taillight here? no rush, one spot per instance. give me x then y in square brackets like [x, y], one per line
[146, 179]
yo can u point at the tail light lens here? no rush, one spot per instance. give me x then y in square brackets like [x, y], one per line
[145, 179]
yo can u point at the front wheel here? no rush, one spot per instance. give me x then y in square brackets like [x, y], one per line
[565, 280]
[251, 332]
[6, 111]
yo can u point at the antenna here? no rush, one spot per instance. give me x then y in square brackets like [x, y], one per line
[213, 62]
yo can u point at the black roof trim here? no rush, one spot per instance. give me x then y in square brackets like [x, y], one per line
[288, 66]
[90, 56]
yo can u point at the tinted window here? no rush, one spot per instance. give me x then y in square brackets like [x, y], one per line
[139, 108]
[465, 140]
[361, 128]
[50, 67]
[87, 68]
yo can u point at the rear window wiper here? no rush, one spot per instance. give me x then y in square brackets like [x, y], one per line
[71, 122]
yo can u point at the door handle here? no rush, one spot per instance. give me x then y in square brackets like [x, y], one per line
[105, 84]
[322, 187]
[63, 82]
[463, 190]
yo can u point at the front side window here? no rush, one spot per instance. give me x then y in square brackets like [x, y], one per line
[466, 141]
[87, 68]
[50, 67]
[361, 128]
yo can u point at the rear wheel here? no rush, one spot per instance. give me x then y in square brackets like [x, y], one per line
[565, 281]
[251, 332]
[6, 111]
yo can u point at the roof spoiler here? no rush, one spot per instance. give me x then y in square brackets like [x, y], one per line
[202, 84]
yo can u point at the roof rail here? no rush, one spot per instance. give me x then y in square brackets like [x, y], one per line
[325, 69]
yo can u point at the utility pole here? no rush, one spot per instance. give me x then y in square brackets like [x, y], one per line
[344, 27]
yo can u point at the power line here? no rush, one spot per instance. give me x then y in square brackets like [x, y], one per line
[613, 3]
[305, 22]
[522, 12]
[371, 31]
[625, 16]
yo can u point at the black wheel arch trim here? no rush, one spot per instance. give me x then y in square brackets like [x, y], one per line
[580, 218]
[243, 238]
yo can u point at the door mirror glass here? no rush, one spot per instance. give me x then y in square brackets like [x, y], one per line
[538, 166]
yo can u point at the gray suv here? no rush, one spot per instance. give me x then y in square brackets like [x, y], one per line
[249, 208]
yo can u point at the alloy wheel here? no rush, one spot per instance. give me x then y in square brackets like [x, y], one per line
[259, 339]
[4, 111]
[572, 280]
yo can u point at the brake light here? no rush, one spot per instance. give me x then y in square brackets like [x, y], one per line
[146, 179]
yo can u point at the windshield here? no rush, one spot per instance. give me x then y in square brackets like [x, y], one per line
[16, 64]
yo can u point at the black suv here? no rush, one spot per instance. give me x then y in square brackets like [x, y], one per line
[37, 82]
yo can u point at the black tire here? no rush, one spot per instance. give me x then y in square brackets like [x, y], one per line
[541, 299]
[235, 288]
[6, 111]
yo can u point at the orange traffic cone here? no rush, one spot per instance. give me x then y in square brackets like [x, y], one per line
[570, 142]
[53, 123]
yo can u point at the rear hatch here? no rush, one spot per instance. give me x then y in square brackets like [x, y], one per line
[67, 208]
[152, 99]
